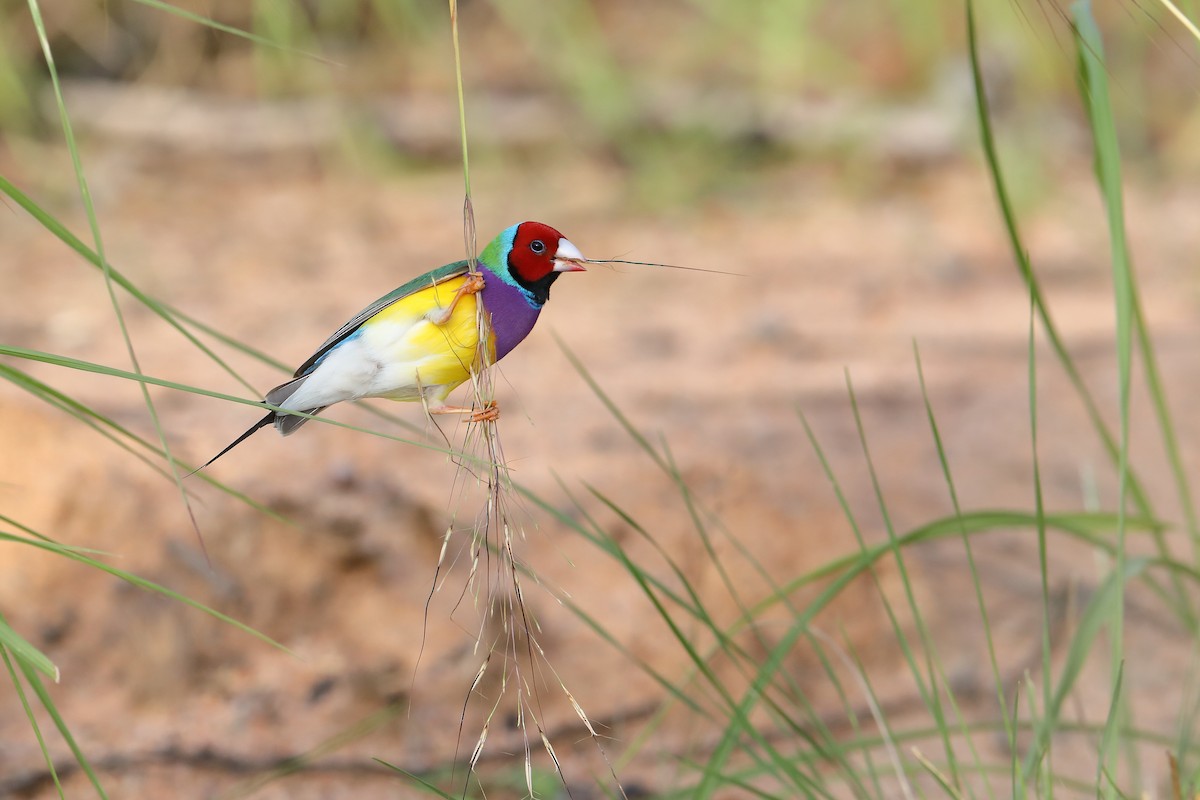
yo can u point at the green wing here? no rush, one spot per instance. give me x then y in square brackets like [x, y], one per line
[432, 278]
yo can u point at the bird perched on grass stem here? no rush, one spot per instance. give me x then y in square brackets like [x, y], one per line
[419, 342]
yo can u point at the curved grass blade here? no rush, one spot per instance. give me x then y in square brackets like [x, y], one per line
[90, 209]
[417, 779]
[118, 434]
[724, 645]
[209, 22]
[43, 543]
[739, 722]
[93, 419]
[61, 232]
[7, 520]
[25, 652]
[102, 369]
[1136, 491]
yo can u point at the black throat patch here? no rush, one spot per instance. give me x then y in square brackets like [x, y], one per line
[538, 290]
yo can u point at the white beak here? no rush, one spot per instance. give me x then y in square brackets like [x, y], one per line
[568, 258]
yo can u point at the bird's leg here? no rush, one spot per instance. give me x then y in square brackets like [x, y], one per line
[489, 413]
[472, 285]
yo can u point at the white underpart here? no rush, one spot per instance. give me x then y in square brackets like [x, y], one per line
[383, 361]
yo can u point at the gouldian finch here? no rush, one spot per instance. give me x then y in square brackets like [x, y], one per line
[419, 342]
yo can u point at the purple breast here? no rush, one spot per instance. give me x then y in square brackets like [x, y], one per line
[512, 314]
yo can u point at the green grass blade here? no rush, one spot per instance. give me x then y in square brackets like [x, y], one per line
[209, 22]
[33, 723]
[1098, 614]
[1170, 439]
[113, 372]
[25, 652]
[1137, 493]
[943, 460]
[7, 520]
[417, 779]
[1112, 729]
[942, 780]
[226, 339]
[121, 436]
[926, 680]
[964, 729]
[61, 232]
[94, 224]
[1092, 528]
[35, 683]
[1035, 772]
[1107, 163]
[142, 583]
[462, 112]
[105, 426]
[739, 722]
[886, 733]
[1186, 724]
[822, 741]
[696, 515]
[1086, 527]
[612, 407]
[746, 621]
[1048, 718]
[854, 779]
[1016, 775]
[1093, 77]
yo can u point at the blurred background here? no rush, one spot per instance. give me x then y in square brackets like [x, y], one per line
[678, 98]
[264, 169]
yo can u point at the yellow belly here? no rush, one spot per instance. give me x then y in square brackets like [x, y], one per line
[423, 358]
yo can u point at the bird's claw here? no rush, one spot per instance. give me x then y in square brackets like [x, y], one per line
[489, 413]
[472, 285]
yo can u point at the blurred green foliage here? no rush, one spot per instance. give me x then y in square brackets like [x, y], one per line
[690, 99]
[622, 65]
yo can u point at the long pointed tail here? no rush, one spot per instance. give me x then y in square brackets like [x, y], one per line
[262, 423]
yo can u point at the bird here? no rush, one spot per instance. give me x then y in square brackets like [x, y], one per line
[419, 342]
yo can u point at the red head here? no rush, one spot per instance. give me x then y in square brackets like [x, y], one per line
[536, 256]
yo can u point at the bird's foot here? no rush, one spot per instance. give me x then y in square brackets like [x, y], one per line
[489, 413]
[472, 285]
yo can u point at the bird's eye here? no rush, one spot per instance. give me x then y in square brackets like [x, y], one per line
[537, 246]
